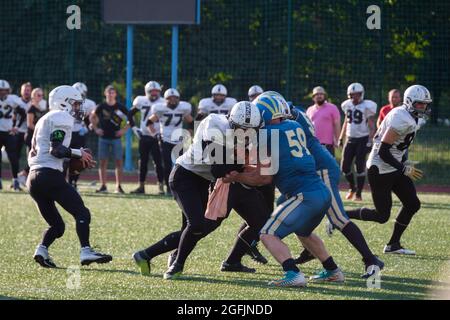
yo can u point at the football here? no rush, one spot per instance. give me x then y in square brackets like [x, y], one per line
[76, 166]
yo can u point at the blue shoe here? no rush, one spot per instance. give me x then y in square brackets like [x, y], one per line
[290, 279]
[329, 276]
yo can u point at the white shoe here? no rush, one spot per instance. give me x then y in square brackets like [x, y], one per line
[398, 249]
[290, 279]
[42, 257]
[22, 180]
[88, 256]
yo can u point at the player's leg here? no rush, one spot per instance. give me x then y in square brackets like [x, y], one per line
[168, 164]
[406, 191]
[144, 152]
[191, 193]
[2, 143]
[103, 155]
[155, 151]
[348, 154]
[117, 152]
[11, 151]
[360, 164]
[68, 198]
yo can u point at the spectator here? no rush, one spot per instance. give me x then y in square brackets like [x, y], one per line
[326, 119]
[106, 122]
[395, 100]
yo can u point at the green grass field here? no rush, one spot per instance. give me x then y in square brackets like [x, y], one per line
[122, 224]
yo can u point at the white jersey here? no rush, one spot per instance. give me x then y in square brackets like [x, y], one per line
[208, 106]
[144, 104]
[357, 117]
[88, 107]
[7, 107]
[53, 123]
[213, 128]
[171, 120]
[406, 126]
[25, 106]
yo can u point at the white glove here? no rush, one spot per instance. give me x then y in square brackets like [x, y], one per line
[413, 173]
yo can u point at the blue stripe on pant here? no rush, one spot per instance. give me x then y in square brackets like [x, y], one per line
[300, 214]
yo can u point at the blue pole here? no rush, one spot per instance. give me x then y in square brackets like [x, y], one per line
[128, 148]
[174, 56]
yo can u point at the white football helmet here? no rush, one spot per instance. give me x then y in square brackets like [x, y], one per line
[417, 93]
[254, 91]
[81, 87]
[4, 85]
[355, 88]
[152, 85]
[65, 98]
[245, 115]
[171, 92]
[219, 89]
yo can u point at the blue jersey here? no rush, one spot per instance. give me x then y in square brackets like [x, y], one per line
[297, 168]
[324, 159]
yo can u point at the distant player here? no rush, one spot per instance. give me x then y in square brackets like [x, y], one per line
[148, 142]
[218, 103]
[254, 91]
[389, 172]
[9, 128]
[170, 114]
[359, 128]
[46, 182]
[307, 196]
[81, 127]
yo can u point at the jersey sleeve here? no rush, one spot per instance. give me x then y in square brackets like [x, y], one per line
[158, 110]
[344, 106]
[187, 109]
[371, 109]
[398, 123]
[137, 103]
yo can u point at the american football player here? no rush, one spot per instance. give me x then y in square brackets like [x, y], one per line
[218, 103]
[254, 91]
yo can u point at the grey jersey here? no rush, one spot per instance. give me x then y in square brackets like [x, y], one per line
[88, 107]
[357, 117]
[171, 120]
[54, 122]
[208, 106]
[7, 107]
[405, 125]
[144, 105]
[212, 128]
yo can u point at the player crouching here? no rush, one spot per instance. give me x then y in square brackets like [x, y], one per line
[46, 183]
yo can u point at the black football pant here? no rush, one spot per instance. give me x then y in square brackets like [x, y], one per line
[48, 187]
[167, 160]
[355, 149]
[150, 146]
[77, 142]
[9, 142]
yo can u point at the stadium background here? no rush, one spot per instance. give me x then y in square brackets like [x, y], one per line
[289, 46]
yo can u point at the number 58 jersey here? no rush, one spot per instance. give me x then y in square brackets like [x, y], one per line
[406, 126]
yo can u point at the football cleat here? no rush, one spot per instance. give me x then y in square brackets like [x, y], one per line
[290, 279]
[350, 195]
[138, 190]
[143, 264]
[174, 272]
[171, 258]
[396, 248]
[42, 257]
[88, 256]
[329, 276]
[102, 189]
[254, 253]
[161, 189]
[305, 256]
[357, 198]
[373, 268]
[236, 267]
[119, 190]
[16, 185]
[329, 228]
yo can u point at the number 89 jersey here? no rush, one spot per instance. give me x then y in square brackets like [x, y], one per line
[357, 117]
[171, 120]
[406, 126]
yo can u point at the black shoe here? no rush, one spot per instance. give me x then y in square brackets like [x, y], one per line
[236, 267]
[119, 190]
[305, 256]
[138, 190]
[102, 189]
[1, 185]
[371, 269]
[16, 185]
[254, 253]
[174, 272]
[171, 258]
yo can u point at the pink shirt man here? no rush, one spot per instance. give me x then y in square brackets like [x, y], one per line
[324, 118]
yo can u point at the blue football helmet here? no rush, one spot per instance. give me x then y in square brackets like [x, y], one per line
[272, 105]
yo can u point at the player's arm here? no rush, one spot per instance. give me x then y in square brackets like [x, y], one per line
[385, 154]
[151, 120]
[124, 116]
[30, 119]
[251, 176]
[343, 130]
[372, 127]
[94, 120]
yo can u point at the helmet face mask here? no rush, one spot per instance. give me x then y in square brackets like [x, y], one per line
[417, 100]
[219, 98]
[219, 93]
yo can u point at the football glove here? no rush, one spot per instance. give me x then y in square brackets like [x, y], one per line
[137, 132]
[412, 172]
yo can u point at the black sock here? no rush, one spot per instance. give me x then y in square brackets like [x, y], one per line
[168, 243]
[329, 264]
[397, 233]
[351, 180]
[83, 232]
[289, 265]
[356, 238]
[360, 179]
[245, 239]
[188, 241]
